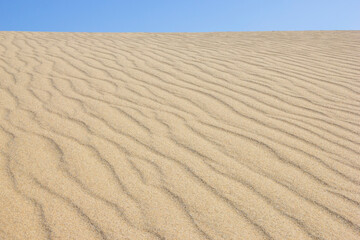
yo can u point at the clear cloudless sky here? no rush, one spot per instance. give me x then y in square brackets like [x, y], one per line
[178, 16]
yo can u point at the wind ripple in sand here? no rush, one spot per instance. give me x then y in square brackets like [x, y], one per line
[180, 136]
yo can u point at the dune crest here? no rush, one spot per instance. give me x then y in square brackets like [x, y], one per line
[180, 135]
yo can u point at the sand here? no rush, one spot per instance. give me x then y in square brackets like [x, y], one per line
[180, 135]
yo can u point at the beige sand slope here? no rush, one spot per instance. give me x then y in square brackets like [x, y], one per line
[180, 136]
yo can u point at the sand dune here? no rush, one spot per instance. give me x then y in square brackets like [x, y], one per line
[180, 136]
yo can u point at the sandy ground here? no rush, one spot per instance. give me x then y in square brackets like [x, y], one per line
[180, 136]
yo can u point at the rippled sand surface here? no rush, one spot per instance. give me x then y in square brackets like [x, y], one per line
[180, 135]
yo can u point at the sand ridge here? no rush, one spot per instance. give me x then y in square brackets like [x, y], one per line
[250, 135]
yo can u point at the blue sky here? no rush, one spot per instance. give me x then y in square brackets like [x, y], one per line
[178, 16]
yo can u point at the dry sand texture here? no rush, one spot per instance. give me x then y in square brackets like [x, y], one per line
[180, 136]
